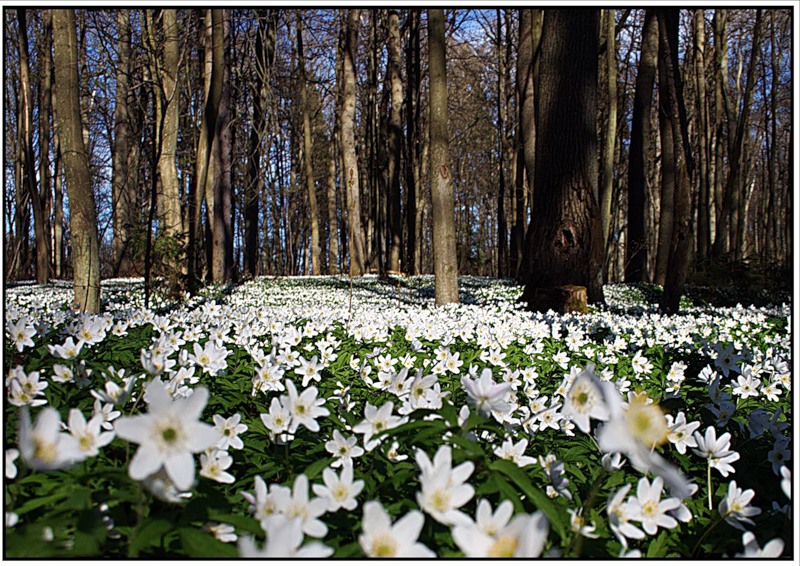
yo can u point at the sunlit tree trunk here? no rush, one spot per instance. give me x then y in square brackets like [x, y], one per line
[395, 143]
[445, 268]
[83, 220]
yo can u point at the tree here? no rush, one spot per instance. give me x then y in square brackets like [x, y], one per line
[636, 251]
[349, 158]
[316, 261]
[609, 143]
[83, 220]
[395, 142]
[445, 268]
[414, 206]
[564, 244]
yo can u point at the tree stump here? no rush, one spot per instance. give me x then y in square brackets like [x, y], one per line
[563, 299]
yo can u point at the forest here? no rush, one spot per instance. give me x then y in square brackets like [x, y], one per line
[192, 146]
[372, 282]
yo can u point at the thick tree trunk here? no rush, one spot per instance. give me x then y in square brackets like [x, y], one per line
[349, 158]
[316, 261]
[502, 225]
[445, 268]
[636, 250]
[83, 221]
[564, 245]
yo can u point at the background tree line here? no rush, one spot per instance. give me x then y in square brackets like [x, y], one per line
[554, 146]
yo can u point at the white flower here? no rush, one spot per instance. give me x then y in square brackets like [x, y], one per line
[43, 446]
[382, 539]
[773, 549]
[21, 333]
[343, 449]
[309, 370]
[393, 455]
[377, 421]
[649, 510]
[210, 357]
[786, 482]
[278, 419]
[641, 365]
[443, 488]
[620, 513]
[229, 430]
[284, 537]
[305, 408]
[579, 525]
[11, 469]
[167, 435]
[295, 503]
[88, 435]
[339, 491]
[748, 385]
[736, 508]
[680, 432]
[68, 350]
[521, 537]
[514, 452]
[584, 400]
[223, 532]
[717, 451]
[107, 412]
[612, 461]
[213, 464]
[486, 395]
[265, 503]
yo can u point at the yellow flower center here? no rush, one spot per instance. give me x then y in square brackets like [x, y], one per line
[383, 547]
[440, 500]
[504, 547]
[647, 423]
[44, 451]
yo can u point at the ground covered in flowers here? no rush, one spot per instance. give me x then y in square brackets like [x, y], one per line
[319, 417]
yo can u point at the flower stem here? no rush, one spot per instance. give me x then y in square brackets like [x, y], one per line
[705, 534]
[710, 503]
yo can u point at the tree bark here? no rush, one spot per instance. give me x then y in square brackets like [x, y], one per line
[502, 225]
[395, 143]
[316, 261]
[607, 183]
[636, 250]
[83, 220]
[27, 161]
[349, 158]
[445, 268]
[704, 185]
[564, 244]
[412, 151]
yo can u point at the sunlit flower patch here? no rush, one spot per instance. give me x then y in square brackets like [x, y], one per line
[317, 417]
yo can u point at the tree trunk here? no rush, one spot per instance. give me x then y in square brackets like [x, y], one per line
[83, 221]
[636, 250]
[607, 183]
[502, 225]
[122, 197]
[333, 224]
[679, 161]
[27, 160]
[349, 158]
[316, 265]
[395, 143]
[264, 56]
[167, 165]
[704, 208]
[721, 244]
[564, 244]
[445, 268]
[413, 189]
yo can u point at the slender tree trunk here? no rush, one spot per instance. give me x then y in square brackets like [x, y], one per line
[316, 261]
[704, 209]
[83, 220]
[395, 143]
[445, 268]
[636, 250]
[680, 248]
[607, 183]
[45, 130]
[121, 192]
[28, 160]
[721, 241]
[502, 226]
[564, 244]
[333, 224]
[349, 158]
[412, 142]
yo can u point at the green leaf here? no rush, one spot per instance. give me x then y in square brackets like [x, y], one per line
[316, 468]
[539, 499]
[150, 534]
[199, 544]
[658, 548]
